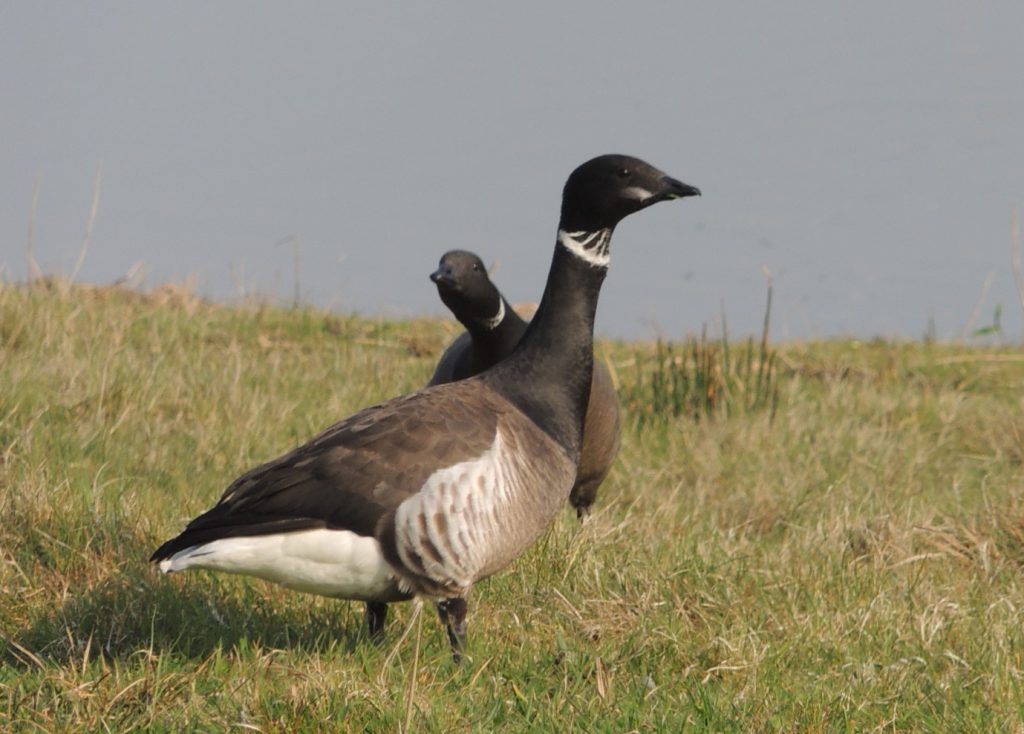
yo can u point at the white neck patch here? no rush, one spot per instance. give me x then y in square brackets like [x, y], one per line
[591, 247]
[493, 322]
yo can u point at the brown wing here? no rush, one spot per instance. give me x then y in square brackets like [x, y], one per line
[356, 471]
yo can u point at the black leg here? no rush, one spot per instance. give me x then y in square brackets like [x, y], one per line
[376, 613]
[453, 616]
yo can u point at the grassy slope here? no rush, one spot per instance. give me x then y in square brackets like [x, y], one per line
[854, 564]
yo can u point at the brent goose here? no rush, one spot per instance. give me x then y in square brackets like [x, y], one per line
[493, 329]
[428, 493]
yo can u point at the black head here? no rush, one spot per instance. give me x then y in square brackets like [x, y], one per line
[604, 190]
[464, 286]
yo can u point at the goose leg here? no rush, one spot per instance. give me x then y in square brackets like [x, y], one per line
[453, 616]
[582, 497]
[376, 613]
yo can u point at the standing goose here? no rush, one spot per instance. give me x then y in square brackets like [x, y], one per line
[493, 329]
[428, 493]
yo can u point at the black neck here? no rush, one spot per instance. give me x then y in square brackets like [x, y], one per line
[499, 340]
[548, 376]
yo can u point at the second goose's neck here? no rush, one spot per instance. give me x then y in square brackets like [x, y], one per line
[498, 336]
[548, 376]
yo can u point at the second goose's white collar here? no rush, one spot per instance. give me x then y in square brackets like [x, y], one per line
[493, 322]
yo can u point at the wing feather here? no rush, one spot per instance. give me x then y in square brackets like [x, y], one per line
[356, 471]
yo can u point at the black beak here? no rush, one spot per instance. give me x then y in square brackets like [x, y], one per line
[673, 189]
[443, 276]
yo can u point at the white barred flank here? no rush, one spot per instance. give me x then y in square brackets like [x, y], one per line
[593, 247]
[450, 525]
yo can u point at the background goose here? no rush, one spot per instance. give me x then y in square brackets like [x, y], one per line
[493, 329]
[430, 492]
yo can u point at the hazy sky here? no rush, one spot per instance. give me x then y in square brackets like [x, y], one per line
[869, 154]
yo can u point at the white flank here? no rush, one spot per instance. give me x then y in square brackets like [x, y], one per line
[469, 495]
[492, 323]
[591, 247]
[335, 563]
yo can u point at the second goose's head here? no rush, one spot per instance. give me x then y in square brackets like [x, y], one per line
[467, 291]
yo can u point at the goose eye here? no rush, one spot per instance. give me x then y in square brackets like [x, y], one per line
[624, 172]
[476, 267]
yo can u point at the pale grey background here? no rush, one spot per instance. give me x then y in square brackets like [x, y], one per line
[867, 153]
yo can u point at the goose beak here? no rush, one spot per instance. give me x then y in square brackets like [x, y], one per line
[673, 189]
[443, 277]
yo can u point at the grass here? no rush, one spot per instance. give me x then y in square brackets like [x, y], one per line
[850, 560]
[699, 379]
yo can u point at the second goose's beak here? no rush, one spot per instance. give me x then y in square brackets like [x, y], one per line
[443, 276]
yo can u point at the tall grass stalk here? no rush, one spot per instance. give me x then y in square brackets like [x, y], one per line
[701, 378]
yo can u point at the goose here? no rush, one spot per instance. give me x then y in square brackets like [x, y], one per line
[428, 493]
[493, 329]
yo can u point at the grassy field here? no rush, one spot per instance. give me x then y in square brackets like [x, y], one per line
[848, 560]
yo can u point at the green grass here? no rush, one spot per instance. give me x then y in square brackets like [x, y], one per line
[699, 379]
[849, 561]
